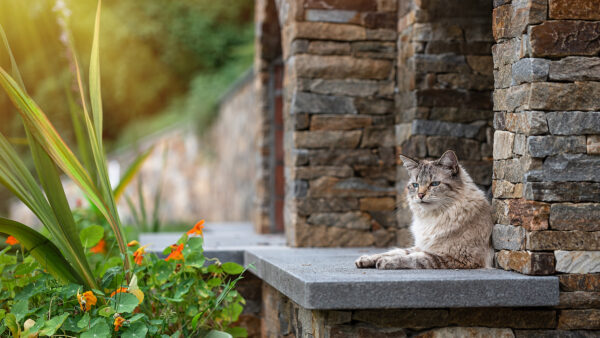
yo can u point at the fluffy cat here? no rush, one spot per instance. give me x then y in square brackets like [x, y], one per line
[452, 220]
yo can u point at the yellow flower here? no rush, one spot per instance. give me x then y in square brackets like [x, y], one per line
[133, 243]
[86, 300]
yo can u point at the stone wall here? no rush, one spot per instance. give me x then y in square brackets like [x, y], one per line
[546, 148]
[284, 318]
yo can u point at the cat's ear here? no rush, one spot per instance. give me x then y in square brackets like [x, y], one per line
[409, 163]
[450, 161]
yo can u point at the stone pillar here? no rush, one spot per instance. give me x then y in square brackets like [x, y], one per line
[445, 83]
[547, 148]
[339, 121]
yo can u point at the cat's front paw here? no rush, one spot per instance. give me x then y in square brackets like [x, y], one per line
[365, 261]
[387, 263]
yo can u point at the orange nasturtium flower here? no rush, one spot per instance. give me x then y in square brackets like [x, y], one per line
[133, 243]
[99, 248]
[175, 253]
[86, 300]
[11, 240]
[118, 322]
[119, 290]
[138, 255]
[197, 229]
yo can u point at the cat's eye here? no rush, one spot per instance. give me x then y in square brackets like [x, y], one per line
[435, 183]
[415, 185]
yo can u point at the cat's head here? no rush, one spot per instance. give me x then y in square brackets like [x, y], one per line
[433, 184]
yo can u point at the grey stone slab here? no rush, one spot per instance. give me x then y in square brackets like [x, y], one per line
[328, 279]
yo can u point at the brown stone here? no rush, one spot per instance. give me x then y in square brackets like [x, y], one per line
[377, 204]
[467, 332]
[531, 215]
[563, 240]
[504, 189]
[384, 238]
[337, 67]
[329, 48]
[593, 144]
[563, 191]
[564, 38]
[410, 319]
[579, 300]
[579, 282]
[339, 122]
[480, 171]
[588, 319]
[481, 64]
[415, 146]
[335, 157]
[350, 220]
[309, 173]
[569, 216]
[379, 20]
[503, 317]
[574, 9]
[373, 172]
[327, 139]
[526, 262]
[511, 20]
[378, 137]
[565, 96]
[373, 106]
[307, 206]
[556, 334]
[335, 187]
[327, 236]
[356, 5]
[366, 331]
[328, 31]
[465, 149]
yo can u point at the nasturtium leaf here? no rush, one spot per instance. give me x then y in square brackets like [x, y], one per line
[136, 317]
[70, 291]
[25, 268]
[32, 330]
[183, 288]
[213, 282]
[99, 330]
[195, 243]
[237, 332]
[232, 268]
[91, 235]
[52, 325]
[106, 311]
[214, 268]
[20, 309]
[136, 330]
[195, 259]
[110, 275]
[162, 271]
[126, 303]
[84, 321]
[29, 291]
[10, 320]
[98, 292]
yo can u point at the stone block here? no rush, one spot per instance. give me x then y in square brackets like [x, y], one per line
[339, 122]
[359, 331]
[579, 299]
[359, 5]
[579, 282]
[439, 63]
[410, 319]
[511, 20]
[465, 149]
[575, 68]
[542, 146]
[317, 103]
[415, 146]
[569, 216]
[513, 98]
[327, 139]
[503, 77]
[572, 167]
[508, 52]
[593, 144]
[301, 121]
[508, 237]
[441, 128]
[588, 319]
[513, 170]
[573, 122]
[374, 49]
[503, 145]
[351, 187]
[374, 106]
[327, 236]
[387, 5]
[331, 15]
[526, 262]
[363, 88]
[478, 82]
[382, 34]
[349, 220]
[373, 172]
[309, 173]
[516, 318]
[574, 9]
[481, 64]
[308, 206]
[555, 334]
[342, 67]
[563, 191]
[555, 38]
[480, 171]
[328, 47]
[563, 240]
[530, 215]
[577, 261]
[520, 145]
[336, 157]
[466, 332]
[375, 20]
[505, 189]
[564, 96]
[530, 70]
[461, 115]
[378, 137]
[328, 31]
[377, 204]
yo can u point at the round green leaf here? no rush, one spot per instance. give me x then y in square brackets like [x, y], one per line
[232, 268]
[125, 302]
[99, 330]
[137, 330]
[91, 235]
[106, 311]
[52, 325]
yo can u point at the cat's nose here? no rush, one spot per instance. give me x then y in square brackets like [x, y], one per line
[421, 195]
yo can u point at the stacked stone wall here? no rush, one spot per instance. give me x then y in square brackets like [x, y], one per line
[546, 148]
[339, 59]
[445, 83]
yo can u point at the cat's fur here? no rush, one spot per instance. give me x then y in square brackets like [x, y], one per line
[452, 222]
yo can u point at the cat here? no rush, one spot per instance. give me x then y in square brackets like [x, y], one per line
[452, 220]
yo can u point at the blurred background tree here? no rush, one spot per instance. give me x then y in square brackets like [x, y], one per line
[162, 61]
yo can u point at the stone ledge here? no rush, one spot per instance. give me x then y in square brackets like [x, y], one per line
[326, 278]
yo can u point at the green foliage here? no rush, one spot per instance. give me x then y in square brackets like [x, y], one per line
[164, 297]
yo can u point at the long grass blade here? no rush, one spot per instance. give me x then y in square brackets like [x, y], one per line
[131, 172]
[42, 249]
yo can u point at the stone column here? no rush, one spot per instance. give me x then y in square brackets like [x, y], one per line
[547, 148]
[339, 121]
[445, 83]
